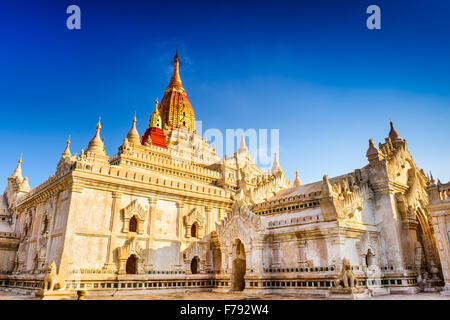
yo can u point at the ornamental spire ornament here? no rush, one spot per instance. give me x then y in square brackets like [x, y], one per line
[175, 81]
[372, 149]
[66, 152]
[18, 171]
[96, 144]
[276, 166]
[155, 119]
[133, 134]
[393, 134]
[242, 145]
[297, 181]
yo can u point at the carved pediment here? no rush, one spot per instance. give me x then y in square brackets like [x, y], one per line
[350, 200]
[134, 211]
[130, 247]
[241, 224]
[134, 208]
[194, 217]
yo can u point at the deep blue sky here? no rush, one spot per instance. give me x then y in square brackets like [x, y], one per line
[311, 69]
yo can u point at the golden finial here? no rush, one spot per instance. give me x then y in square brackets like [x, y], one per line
[99, 126]
[67, 150]
[18, 171]
[155, 118]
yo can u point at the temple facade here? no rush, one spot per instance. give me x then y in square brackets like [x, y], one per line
[166, 214]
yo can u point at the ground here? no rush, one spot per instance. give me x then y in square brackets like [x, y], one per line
[237, 296]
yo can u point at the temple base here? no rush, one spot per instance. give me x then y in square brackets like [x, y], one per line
[349, 293]
[54, 295]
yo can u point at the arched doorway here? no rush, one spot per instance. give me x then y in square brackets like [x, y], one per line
[194, 265]
[131, 267]
[239, 266]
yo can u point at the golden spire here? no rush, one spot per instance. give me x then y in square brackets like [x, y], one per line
[96, 144]
[133, 134]
[18, 172]
[175, 109]
[175, 81]
[66, 152]
[155, 119]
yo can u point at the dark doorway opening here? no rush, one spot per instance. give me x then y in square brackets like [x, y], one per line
[194, 265]
[239, 266]
[133, 224]
[131, 264]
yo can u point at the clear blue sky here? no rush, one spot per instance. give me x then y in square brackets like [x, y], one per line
[311, 69]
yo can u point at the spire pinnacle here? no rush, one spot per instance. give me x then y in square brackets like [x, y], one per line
[393, 134]
[99, 126]
[18, 171]
[133, 135]
[96, 144]
[155, 118]
[297, 181]
[67, 150]
[175, 81]
[242, 145]
[431, 178]
[372, 149]
[276, 166]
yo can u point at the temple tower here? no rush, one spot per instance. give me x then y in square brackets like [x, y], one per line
[175, 109]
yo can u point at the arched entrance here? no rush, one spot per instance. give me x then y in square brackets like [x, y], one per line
[239, 266]
[194, 265]
[131, 266]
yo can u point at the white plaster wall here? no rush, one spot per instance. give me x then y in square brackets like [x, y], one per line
[165, 225]
[350, 251]
[388, 219]
[164, 255]
[60, 217]
[288, 254]
[317, 251]
[88, 252]
[55, 249]
[92, 210]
